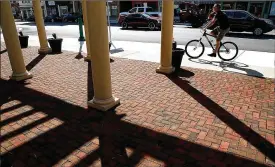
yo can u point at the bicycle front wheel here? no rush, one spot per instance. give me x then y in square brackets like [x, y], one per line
[194, 49]
[228, 51]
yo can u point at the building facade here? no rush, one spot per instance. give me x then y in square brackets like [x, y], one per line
[257, 8]
[61, 8]
[26, 9]
[15, 9]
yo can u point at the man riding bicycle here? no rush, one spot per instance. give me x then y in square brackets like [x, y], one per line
[220, 31]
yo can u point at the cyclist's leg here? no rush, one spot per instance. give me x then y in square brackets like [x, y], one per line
[215, 31]
[220, 37]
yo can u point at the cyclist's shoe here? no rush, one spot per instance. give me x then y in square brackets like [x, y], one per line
[212, 55]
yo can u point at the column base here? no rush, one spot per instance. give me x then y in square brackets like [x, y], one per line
[81, 39]
[21, 76]
[87, 58]
[104, 105]
[44, 50]
[165, 70]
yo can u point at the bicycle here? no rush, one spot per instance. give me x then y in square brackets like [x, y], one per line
[226, 47]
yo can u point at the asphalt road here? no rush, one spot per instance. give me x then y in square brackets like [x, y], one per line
[182, 34]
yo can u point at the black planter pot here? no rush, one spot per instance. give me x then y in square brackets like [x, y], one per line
[174, 45]
[55, 44]
[177, 55]
[24, 41]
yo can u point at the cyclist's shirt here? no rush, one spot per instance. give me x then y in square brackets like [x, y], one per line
[222, 20]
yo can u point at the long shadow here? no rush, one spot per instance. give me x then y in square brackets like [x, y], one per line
[246, 132]
[35, 61]
[79, 126]
[234, 65]
[90, 87]
[3, 51]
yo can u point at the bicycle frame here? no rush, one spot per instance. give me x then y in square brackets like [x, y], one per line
[218, 51]
[205, 34]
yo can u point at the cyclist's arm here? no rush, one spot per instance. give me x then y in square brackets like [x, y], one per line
[212, 22]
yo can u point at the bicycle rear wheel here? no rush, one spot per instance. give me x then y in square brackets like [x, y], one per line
[194, 49]
[228, 51]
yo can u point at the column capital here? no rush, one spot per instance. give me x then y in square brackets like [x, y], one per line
[104, 105]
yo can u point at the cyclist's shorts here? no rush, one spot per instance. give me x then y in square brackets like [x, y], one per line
[220, 33]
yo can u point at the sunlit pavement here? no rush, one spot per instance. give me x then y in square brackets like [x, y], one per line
[199, 118]
[253, 63]
[182, 34]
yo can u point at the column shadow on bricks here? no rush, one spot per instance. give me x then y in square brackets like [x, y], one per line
[243, 130]
[79, 127]
[90, 86]
[35, 61]
[3, 51]
[233, 65]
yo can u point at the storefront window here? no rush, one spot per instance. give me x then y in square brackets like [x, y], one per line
[114, 11]
[241, 5]
[256, 9]
[272, 9]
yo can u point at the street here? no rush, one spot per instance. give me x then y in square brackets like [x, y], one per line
[182, 34]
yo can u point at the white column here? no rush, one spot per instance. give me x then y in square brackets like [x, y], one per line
[73, 7]
[27, 11]
[45, 9]
[22, 14]
[58, 7]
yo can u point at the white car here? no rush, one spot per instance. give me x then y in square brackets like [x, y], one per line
[147, 10]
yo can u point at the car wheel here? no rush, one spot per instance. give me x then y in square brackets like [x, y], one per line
[258, 31]
[65, 20]
[52, 20]
[124, 25]
[152, 26]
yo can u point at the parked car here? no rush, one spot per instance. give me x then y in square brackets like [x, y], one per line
[147, 10]
[241, 20]
[70, 18]
[31, 18]
[53, 18]
[141, 20]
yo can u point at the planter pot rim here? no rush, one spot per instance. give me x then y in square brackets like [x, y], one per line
[57, 39]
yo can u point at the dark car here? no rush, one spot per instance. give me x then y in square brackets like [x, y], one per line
[141, 20]
[241, 20]
[53, 18]
[70, 18]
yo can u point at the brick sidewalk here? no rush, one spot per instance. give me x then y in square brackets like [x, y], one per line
[202, 118]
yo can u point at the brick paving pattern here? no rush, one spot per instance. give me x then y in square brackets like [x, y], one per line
[201, 118]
